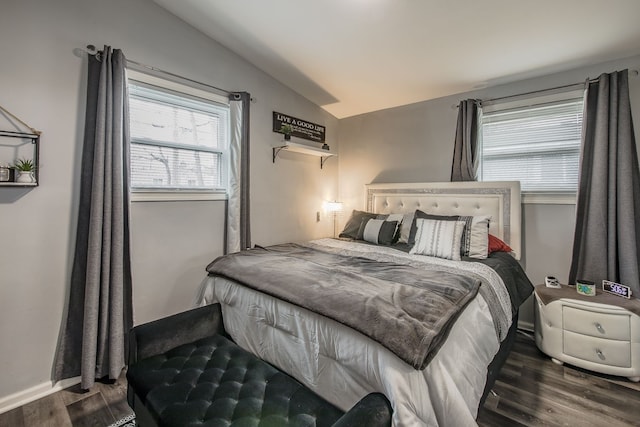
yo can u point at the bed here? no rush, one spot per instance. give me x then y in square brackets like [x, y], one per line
[296, 305]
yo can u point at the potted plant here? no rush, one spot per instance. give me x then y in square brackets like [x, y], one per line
[24, 170]
[286, 130]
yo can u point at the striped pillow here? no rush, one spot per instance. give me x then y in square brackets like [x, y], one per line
[378, 231]
[436, 238]
[353, 225]
[394, 217]
[475, 238]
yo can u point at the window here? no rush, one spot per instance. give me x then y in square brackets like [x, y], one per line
[537, 144]
[178, 141]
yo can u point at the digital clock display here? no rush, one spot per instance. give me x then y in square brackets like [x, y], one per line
[616, 289]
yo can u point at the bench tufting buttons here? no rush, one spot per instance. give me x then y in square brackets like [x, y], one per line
[239, 384]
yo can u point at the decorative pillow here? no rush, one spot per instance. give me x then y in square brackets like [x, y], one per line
[353, 225]
[405, 227]
[438, 238]
[378, 231]
[497, 245]
[393, 217]
[475, 238]
[419, 214]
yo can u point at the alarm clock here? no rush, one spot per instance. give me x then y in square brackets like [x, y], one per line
[551, 282]
[616, 289]
[585, 287]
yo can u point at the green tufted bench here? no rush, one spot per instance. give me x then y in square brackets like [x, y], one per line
[184, 371]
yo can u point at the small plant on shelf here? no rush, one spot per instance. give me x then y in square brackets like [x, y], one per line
[25, 169]
[287, 130]
[24, 165]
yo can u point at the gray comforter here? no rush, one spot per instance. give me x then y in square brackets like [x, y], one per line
[406, 309]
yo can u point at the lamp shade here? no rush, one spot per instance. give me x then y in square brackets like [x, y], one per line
[334, 206]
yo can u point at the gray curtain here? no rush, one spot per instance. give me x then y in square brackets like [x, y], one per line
[93, 340]
[238, 235]
[465, 151]
[607, 235]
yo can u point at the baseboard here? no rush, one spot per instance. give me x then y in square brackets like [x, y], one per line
[39, 391]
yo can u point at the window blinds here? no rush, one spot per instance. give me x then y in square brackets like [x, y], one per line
[177, 141]
[537, 145]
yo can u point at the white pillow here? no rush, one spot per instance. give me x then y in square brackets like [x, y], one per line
[395, 217]
[405, 227]
[437, 238]
[475, 239]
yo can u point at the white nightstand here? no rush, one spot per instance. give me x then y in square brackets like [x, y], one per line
[595, 333]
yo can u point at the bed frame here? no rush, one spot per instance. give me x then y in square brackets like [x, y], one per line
[500, 199]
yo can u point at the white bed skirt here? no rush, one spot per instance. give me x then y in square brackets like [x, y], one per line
[342, 365]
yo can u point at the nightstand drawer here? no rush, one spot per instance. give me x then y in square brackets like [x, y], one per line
[597, 350]
[599, 325]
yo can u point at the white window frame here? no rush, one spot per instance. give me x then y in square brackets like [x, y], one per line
[160, 195]
[529, 100]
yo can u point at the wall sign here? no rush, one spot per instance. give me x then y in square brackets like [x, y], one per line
[300, 128]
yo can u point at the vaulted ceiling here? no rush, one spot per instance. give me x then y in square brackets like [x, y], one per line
[356, 56]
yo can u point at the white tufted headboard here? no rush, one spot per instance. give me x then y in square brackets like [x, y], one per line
[500, 199]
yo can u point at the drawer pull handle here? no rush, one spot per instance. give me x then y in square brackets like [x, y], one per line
[599, 328]
[600, 354]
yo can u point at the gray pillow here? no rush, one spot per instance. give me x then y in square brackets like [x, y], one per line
[399, 218]
[353, 225]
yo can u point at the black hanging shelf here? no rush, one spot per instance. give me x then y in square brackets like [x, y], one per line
[35, 140]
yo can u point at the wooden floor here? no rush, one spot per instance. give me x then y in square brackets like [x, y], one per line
[103, 405]
[531, 391]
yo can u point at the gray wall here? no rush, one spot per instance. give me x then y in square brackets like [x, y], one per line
[414, 143]
[43, 82]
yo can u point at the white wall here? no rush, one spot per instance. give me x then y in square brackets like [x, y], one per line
[414, 143]
[43, 81]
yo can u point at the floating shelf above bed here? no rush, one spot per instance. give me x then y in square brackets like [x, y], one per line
[302, 149]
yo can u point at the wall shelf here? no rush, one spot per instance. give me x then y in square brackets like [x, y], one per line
[18, 184]
[34, 140]
[302, 149]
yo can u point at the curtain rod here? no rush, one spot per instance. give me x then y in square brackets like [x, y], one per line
[633, 72]
[93, 51]
[576, 85]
